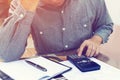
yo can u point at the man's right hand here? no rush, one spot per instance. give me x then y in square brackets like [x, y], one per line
[30, 5]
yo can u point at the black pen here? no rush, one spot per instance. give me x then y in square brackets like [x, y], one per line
[36, 66]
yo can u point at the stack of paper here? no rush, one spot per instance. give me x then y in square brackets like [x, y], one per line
[20, 70]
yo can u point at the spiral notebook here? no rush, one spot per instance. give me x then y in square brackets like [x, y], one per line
[21, 70]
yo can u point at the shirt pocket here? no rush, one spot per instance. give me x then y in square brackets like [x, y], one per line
[84, 28]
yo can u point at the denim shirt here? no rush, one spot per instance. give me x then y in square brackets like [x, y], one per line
[53, 29]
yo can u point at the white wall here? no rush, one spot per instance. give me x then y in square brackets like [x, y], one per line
[114, 10]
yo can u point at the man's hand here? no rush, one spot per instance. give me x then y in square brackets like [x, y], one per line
[93, 46]
[30, 5]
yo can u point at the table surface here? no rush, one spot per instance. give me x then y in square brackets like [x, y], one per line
[106, 72]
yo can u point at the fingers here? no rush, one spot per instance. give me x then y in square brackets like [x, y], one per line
[89, 50]
[80, 50]
[97, 52]
[92, 48]
[93, 51]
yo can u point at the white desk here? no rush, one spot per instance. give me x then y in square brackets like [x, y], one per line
[106, 72]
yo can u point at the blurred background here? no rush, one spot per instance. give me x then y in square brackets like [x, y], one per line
[114, 10]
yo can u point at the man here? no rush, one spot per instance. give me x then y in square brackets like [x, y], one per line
[57, 26]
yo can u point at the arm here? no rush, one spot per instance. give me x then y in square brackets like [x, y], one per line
[15, 30]
[102, 27]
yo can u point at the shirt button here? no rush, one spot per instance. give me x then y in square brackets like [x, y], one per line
[66, 46]
[63, 29]
[62, 11]
[21, 15]
[41, 32]
[85, 25]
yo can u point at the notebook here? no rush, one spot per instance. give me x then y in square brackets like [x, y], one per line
[21, 70]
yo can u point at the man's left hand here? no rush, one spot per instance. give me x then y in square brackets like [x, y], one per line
[93, 46]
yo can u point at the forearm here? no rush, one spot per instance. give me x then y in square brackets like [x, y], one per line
[104, 32]
[14, 33]
[103, 25]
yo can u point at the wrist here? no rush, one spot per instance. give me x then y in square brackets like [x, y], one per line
[97, 39]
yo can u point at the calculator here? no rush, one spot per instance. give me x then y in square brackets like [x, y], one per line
[83, 63]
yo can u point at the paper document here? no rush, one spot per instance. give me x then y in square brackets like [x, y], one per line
[21, 70]
[106, 72]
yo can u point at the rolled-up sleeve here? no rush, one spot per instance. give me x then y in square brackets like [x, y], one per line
[14, 32]
[103, 25]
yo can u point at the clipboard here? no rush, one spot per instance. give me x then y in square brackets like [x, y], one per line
[20, 70]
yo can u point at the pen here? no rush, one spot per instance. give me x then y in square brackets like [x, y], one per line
[36, 66]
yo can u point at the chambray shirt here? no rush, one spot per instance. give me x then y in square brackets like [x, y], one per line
[54, 30]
